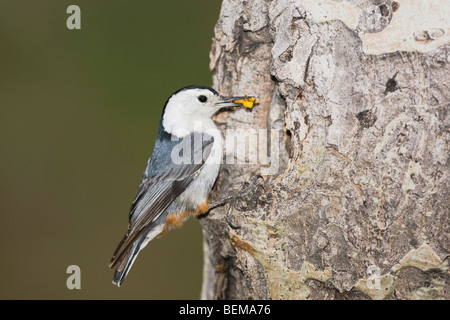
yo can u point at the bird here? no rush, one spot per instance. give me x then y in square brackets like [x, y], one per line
[180, 172]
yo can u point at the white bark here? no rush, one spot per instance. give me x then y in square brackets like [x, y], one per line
[358, 92]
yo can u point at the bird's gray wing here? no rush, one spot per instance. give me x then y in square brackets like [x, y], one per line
[156, 193]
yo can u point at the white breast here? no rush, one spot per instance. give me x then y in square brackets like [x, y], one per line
[198, 190]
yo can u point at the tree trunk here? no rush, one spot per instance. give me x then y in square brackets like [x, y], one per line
[354, 98]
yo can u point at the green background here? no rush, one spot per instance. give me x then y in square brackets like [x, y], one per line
[79, 113]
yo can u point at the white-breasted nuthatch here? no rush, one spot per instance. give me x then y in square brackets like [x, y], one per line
[180, 173]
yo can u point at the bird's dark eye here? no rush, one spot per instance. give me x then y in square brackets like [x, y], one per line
[202, 99]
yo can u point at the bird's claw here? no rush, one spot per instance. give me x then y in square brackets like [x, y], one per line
[245, 190]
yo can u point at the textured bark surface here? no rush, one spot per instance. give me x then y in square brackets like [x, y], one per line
[355, 202]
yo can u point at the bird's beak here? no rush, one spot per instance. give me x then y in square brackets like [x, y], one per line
[246, 101]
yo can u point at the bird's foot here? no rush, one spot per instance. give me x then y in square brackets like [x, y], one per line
[247, 189]
[242, 196]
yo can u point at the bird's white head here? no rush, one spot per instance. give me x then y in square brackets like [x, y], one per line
[191, 108]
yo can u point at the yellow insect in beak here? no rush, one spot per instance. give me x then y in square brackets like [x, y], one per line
[247, 102]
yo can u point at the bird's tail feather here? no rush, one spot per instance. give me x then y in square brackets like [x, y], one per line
[126, 262]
